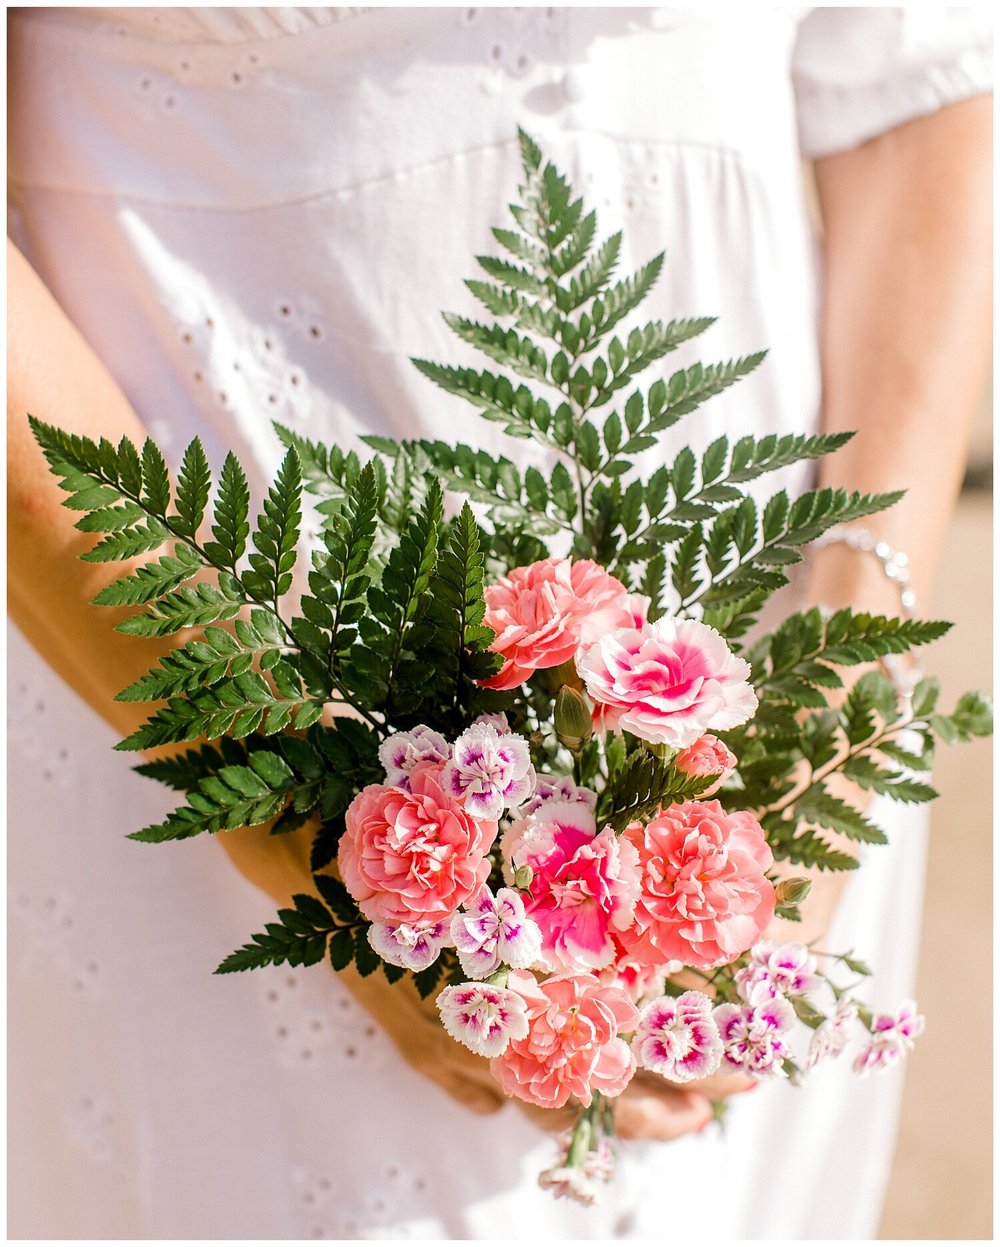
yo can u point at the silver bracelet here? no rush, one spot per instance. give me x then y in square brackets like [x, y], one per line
[895, 563]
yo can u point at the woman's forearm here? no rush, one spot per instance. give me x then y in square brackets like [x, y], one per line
[905, 332]
[905, 340]
[53, 373]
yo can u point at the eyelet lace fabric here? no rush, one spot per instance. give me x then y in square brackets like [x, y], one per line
[256, 214]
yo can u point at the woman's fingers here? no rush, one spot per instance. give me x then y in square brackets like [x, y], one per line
[645, 1112]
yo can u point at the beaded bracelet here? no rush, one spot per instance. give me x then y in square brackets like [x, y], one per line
[895, 563]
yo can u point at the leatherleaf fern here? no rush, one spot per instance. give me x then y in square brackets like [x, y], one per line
[276, 702]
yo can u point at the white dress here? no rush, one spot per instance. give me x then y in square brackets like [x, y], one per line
[256, 214]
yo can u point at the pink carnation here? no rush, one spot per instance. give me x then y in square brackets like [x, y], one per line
[584, 883]
[572, 1047]
[678, 1038]
[543, 612]
[632, 976]
[667, 682]
[704, 896]
[707, 756]
[413, 857]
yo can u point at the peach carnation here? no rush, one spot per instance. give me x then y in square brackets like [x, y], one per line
[572, 1047]
[666, 682]
[704, 896]
[413, 857]
[543, 612]
[707, 756]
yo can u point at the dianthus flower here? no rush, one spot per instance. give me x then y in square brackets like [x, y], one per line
[753, 1037]
[543, 612]
[678, 1037]
[413, 857]
[704, 896]
[483, 1017]
[573, 1046]
[830, 1038]
[494, 931]
[410, 947]
[489, 772]
[667, 682]
[584, 883]
[402, 751]
[707, 756]
[892, 1036]
[777, 970]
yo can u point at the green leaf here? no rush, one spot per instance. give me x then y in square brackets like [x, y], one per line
[230, 527]
[194, 484]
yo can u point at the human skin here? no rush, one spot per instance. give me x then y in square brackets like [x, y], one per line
[905, 338]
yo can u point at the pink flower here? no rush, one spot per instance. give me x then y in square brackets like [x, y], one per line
[495, 932]
[632, 976]
[413, 857]
[667, 682]
[892, 1036]
[483, 1017]
[489, 772]
[830, 1038]
[707, 756]
[411, 948]
[704, 896]
[572, 1047]
[548, 788]
[542, 613]
[402, 751]
[584, 883]
[777, 970]
[753, 1039]
[678, 1038]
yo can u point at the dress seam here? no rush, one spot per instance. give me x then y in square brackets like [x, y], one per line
[367, 183]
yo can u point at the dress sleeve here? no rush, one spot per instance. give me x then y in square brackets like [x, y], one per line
[860, 71]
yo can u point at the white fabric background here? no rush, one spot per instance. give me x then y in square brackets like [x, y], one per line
[256, 214]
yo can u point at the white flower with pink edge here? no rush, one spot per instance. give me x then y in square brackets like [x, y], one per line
[753, 1037]
[678, 1037]
[489, 772]
[402, 751]
[830, 1038]
[569, 1182]
[549, 788]
[494, 931]
[892, 1036]
[410, 947]
[483, 1017]
[667, 682]
[777, 970]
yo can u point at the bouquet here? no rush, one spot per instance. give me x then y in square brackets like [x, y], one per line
[555, 770]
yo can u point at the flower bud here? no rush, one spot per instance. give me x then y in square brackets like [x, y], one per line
[659, 750]
[523, 877]
[573, 719]
[792, 891]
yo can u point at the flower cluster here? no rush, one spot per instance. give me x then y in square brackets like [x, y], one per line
[567, 931]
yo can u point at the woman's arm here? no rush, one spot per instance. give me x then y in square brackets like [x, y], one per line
[905, 341]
